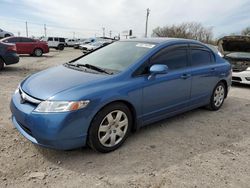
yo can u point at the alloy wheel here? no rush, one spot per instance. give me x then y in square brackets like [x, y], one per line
[219, 95]
[113, 128]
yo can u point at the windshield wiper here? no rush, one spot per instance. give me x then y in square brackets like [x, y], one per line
[93, 67]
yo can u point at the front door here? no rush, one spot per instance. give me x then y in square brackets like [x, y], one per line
[168, 93]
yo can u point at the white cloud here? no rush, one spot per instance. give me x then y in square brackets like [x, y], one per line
[89, 16]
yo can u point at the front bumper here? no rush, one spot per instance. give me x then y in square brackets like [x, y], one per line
[64, 131]
[241, 77]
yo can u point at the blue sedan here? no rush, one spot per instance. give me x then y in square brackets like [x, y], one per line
[99, 98]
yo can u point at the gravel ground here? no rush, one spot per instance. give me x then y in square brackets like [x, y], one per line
[199, 148]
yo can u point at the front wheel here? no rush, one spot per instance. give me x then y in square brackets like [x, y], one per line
[110, 128]
[217, 97]
[38, 52]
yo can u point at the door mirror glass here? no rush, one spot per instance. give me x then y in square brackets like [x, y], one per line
[158, 69]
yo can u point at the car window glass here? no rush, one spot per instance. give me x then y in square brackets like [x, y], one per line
[26, 40]
[50, 39]
[200, 57]
[174, 59]
[56, 39]
[117, 56]
[61, 40]
[13, 40]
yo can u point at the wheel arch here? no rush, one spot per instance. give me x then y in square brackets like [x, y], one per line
[131, 108]
[37, 48]
[226, 86]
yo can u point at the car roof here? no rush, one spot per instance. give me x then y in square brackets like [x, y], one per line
[162, 40]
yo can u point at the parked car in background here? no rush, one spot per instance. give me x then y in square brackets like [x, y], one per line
[236, 50]
[104, 95]
[30, 46]
[83, 43]
[72, 42]
[94, 45]
[8, 54]
[55, 42]
[4, 34]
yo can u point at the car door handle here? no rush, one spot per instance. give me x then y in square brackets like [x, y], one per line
[185, 76]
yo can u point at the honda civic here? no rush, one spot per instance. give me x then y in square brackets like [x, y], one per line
[98, 99]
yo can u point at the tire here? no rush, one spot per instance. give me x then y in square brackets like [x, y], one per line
[110, 128]
[1, 64]
[218, 97]
[38, 52]
[60, 47]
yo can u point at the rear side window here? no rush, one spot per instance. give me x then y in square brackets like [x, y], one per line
[201, 57]
[12, 40]
[56, 39]
[61, 40]
[174, 59]
[50, 39]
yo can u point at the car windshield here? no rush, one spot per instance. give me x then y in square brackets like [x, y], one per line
[117, 56]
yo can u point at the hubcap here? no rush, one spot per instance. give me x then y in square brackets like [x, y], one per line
[113, 128]
[219, 95]
[38, 52]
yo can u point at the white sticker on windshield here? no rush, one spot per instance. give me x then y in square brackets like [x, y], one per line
[144, 45]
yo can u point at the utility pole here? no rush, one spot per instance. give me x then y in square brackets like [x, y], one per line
[110, 34]
[103, 31]
[146, 29]
[45, 30]
[27, 32]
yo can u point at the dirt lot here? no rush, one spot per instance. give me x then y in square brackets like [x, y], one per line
[195, 149]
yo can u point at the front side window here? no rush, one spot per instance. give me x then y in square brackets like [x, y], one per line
[174, 59]
[117, 56]
[200, 57]
[56, 39]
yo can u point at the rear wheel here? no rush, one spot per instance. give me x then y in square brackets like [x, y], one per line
[38, 52]
[110, 128]
[1, 64]
[60, 47]
[218, 97]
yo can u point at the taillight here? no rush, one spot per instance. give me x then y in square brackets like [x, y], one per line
[11, 48]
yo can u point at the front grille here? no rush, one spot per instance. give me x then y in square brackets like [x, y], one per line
[26, 129]
[234, 78]
[27, 98]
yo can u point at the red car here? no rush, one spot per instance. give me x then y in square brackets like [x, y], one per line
[26, 45]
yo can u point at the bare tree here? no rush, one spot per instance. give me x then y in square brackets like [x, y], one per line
[189, 30]
[246, 31]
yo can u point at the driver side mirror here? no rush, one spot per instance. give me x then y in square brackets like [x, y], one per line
[157, 69]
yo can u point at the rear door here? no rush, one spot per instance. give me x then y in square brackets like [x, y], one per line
[204, 74]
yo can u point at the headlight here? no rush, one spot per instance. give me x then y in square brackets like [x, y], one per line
[61, 106]
[248, 68]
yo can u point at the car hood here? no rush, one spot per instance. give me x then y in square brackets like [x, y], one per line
[45, 84]
[229, 44]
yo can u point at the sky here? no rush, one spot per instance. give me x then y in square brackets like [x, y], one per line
[87, 18]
